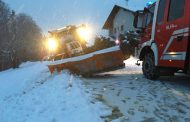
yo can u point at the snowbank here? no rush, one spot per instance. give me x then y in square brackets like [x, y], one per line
[130, 68]
[130, 64]
[13, 81]
[32, 94]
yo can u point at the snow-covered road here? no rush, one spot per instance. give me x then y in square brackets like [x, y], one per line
[32, 94]
[139, 99]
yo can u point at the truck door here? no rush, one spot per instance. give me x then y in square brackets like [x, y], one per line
[171, 33]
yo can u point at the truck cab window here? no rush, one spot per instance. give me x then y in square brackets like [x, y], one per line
[148, 17]
[176, 9]
[161, 10]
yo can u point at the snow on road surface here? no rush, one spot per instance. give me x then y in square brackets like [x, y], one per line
[138, 99]
[31, 94]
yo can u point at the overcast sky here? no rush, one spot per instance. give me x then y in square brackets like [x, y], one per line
[53, 14]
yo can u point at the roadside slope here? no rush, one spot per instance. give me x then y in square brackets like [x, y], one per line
[32, 94]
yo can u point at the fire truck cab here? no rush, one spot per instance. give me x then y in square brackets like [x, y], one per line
[165, 43]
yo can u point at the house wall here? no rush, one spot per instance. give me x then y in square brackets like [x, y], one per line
[123, 22]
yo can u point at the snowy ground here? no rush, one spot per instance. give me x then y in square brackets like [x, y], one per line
[139, 99]
[32, 94]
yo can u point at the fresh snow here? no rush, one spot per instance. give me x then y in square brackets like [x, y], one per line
[79, 58]
[139, 99]
[130, 68]
[32, 94]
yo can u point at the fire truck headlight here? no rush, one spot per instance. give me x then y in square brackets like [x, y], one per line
[52, 44]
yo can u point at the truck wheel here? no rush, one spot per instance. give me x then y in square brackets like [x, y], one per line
[150, 71]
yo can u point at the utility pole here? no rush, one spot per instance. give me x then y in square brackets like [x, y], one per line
[127, 2]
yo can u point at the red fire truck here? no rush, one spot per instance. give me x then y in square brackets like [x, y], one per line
[165, 42]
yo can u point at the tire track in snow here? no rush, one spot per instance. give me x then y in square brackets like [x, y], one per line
[142, 99]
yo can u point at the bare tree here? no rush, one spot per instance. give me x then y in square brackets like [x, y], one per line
[4, 35]
[28, 37]
[20, 38]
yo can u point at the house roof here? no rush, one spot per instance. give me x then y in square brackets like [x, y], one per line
[109, 22]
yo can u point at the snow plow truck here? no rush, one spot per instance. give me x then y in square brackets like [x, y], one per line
[76, 61]
[165, 43]
[69, 41]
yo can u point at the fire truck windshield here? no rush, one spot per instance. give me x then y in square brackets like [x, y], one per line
[148, 16]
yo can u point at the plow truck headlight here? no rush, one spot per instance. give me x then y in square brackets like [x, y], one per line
[84, 33]
[52, 44]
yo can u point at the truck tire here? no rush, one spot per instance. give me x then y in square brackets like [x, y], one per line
[150, 71]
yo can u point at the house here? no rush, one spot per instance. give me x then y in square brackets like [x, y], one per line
[120, 21]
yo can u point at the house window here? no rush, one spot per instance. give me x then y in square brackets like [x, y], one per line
[122, 28]
[176, 9]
